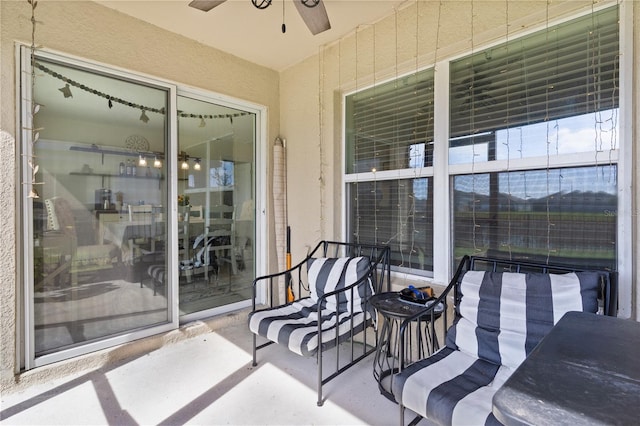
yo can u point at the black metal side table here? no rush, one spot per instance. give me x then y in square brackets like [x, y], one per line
[420, 342]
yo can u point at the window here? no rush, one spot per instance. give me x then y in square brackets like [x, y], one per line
[545, 99]
[532, 153]
[389, 154]
[562, 215]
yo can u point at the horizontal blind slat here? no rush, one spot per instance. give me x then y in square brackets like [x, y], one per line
[537, 78]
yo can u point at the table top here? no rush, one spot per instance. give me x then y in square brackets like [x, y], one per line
[390, 304]
[584, 371]
[121, 232]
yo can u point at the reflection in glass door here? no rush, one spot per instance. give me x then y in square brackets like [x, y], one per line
[99, 221]
[216, 220]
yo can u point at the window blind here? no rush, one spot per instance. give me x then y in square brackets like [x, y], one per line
[384, 122]
[568, 70]
[398, 213]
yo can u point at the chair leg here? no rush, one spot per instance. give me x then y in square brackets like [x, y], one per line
[401, 415]
[254, 363]
[319, 360]
[234, 263]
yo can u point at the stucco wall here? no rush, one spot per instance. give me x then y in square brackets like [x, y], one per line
[90, 31]
[398, 44]
[635, 33]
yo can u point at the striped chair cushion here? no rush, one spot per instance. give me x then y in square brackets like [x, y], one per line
[296, 325]
[157, 273]
[502, 317]
[329, 274]
[451, 387]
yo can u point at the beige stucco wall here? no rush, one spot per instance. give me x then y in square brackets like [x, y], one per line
[93, 32]
[635, 123]
[376, 53]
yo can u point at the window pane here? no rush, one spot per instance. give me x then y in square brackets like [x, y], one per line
[390, 126]
[558, 216]
[556, 90]
[398, 213]
[99, 222]
[217, 228]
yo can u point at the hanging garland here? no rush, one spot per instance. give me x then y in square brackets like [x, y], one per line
[66, 91]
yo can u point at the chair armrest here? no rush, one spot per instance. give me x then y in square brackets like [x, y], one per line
[272, 280]
[378, 271]
[430, 311]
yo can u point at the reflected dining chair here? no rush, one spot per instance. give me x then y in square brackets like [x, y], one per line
[222, 236]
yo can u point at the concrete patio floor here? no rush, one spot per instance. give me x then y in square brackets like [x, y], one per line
[204, 380]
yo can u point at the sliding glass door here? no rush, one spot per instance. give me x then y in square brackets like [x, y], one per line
[96, 193]
[216, 220]
[138, 206]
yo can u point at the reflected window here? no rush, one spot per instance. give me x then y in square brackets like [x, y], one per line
[221, 174]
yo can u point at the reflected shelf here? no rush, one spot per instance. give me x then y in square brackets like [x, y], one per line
[116, 175]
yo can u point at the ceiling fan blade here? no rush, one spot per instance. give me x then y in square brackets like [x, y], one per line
[315, 17]
[206, 5]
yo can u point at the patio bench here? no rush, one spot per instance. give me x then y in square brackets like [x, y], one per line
[501, 311]
[332, 286]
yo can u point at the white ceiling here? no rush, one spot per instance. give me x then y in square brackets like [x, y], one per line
[237, 27]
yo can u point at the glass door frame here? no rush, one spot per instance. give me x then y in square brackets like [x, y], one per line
[28, 358]
[259, 185]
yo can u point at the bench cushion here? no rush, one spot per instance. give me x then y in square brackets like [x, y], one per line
[330, 274]
[451, 387]
[503, 315]
[296, 325]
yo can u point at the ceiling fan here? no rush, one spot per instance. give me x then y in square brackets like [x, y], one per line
[313, 12]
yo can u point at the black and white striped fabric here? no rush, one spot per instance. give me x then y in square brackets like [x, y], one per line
[501, 318]
[157, 273]
[295, 325]
[330, 274]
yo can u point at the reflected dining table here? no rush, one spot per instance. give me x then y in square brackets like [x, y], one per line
[585, 371]
[125, 232]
